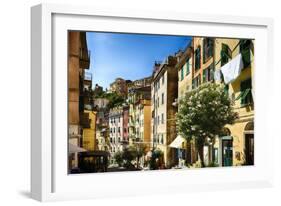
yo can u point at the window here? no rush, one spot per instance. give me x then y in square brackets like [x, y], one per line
[118, 129]
[225, 54]
[158, 120]
[187, 67]
[158, 102]
[163, 79]
[208, 45]
[245, 95]
[197, 58]
[245, 47]
[182, 73]
[208, 74]
[162, 118]
[125, 130]
[196, 81]
[162, 98]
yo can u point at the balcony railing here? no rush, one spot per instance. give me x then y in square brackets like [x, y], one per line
[84, 58]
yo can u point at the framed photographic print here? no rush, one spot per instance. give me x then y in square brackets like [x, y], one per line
[137, 102]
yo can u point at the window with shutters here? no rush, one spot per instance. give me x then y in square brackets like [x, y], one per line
[196, 82]
[197, 58]
[182, 73]
[225, 54]
[187, 67]
[245, 50]
[245, 95]
[208, 74]
[208, 45]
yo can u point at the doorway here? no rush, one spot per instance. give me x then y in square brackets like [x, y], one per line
[227, 153]
[249, 149]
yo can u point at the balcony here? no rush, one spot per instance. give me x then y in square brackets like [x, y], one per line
[84, 58]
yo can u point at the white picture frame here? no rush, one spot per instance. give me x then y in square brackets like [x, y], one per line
[49, 178]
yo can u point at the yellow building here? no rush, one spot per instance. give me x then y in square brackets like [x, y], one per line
[184, 67]
[164, 88]
[185, 74]
[213, 60]
[139, 100]
[237, 146]
[203, 64]
[143, 121]
[89, 131]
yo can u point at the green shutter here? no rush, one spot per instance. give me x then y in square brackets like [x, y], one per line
[197, 58]
[245, 46]
[225, 54]
[204, 75]
[240, 95]
[246, 95]
[226, 87]
[182, 71]
[187, 67]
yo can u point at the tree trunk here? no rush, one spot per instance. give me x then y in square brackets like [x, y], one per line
[188, 152]
[201, 154]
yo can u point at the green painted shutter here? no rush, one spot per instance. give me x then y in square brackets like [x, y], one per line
[245, 52]
[226, 87]
[187, 67]
[225, 54]
[246, 95]
[204, 75]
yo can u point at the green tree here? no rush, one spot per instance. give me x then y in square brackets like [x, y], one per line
[114, 100]
[155, 155]
[203, 113]
[118, 156]
[128, 156]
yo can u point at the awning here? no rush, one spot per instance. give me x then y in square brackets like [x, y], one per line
[73, 148]
[179, 142]
[232, 69]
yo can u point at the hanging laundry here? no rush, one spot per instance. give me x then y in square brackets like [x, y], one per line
[232, 69]
[217, 76]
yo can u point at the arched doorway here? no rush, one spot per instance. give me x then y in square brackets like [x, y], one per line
[249, 143]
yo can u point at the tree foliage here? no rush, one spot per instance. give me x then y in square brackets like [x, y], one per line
[204, 112]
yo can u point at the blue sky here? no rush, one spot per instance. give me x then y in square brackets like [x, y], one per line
[129, 56]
